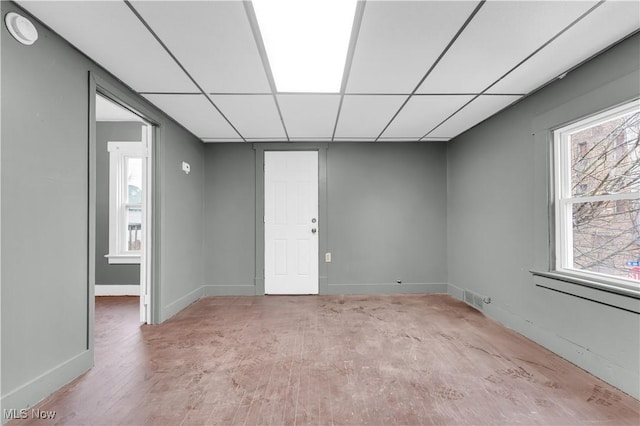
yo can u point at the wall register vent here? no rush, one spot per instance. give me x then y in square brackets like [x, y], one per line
[475, 300]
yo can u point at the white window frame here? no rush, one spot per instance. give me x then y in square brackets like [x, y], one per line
[119, 152]
[564, 201]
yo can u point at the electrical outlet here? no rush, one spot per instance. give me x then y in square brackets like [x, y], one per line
[327, 257]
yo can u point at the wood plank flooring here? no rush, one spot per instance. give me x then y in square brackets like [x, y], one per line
[380, 360]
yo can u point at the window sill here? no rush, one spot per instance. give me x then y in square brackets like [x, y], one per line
[123, 259]
[589, 289]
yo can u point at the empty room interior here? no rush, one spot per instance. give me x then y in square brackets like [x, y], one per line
[320, 212]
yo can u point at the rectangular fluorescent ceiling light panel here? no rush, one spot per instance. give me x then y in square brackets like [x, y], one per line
[306, 42]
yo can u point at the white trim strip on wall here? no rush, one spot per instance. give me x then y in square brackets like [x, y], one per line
[117, 290]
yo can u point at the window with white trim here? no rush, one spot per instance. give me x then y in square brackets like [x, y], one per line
[126, 174]
[597, 197]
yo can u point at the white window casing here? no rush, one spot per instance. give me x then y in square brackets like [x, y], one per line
[119, 154]
[565, 199]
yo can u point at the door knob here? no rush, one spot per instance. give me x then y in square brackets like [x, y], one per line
[314, 230]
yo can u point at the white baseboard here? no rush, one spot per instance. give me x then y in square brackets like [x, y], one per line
[386, 288]
[229, 290]
[117, 290]
[40, 387]
[176, 306]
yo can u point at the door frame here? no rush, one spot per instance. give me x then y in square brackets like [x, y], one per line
[323, 242]
[98, 85]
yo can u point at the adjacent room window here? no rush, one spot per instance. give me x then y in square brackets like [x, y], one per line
[597, 197]
[126, 171]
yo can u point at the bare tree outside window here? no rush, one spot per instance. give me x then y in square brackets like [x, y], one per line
[605, 160]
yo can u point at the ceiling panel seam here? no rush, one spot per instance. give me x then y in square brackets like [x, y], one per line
[239, 94]
[548, 42]
[170, 93]
[545, 44]
[332, 94]
[164, 46]
[430, 94]
[257, 37]
[467, 94]
[432, 67]
[355, 32]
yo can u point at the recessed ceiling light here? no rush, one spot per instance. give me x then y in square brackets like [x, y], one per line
[306, 42]
[21, 28]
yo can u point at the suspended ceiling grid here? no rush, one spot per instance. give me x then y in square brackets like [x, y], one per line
[416, 70]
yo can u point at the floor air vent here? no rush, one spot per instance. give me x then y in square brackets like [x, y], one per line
[475, 300]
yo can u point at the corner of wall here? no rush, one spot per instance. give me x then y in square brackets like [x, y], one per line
[455, 291]
[174, 307]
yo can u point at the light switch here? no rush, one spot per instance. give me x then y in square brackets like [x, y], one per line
[186, 167]
[327, 257]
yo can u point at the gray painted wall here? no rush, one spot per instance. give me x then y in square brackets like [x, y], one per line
[386, 218]
[229, 225]
[181, 221]
[44, 212]
[498, 221]
[1, 405]
[44, 246]
[110, 131]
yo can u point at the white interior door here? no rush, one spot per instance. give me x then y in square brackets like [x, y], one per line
[291, 222]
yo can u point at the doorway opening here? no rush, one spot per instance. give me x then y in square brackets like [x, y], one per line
[123, 183]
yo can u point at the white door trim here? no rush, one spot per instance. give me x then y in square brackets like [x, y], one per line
[259, 255]
[147, 237]
[106, 88]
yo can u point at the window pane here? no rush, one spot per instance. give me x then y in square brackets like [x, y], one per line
[134, 228]
[606, 237]
[134, 180]
[605, 157]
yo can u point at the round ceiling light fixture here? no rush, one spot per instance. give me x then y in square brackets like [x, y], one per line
[21, 28]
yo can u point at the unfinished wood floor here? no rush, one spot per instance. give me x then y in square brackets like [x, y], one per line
[384, 360]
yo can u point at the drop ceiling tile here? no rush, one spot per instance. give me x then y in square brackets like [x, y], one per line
[481, 108]
[501, 35]
[422, 113]
[111, 35]
[609, 23]
[213, 41]
[195, 113]
[309, 116]
[364, 116]
[399, 40]
[255, 116]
